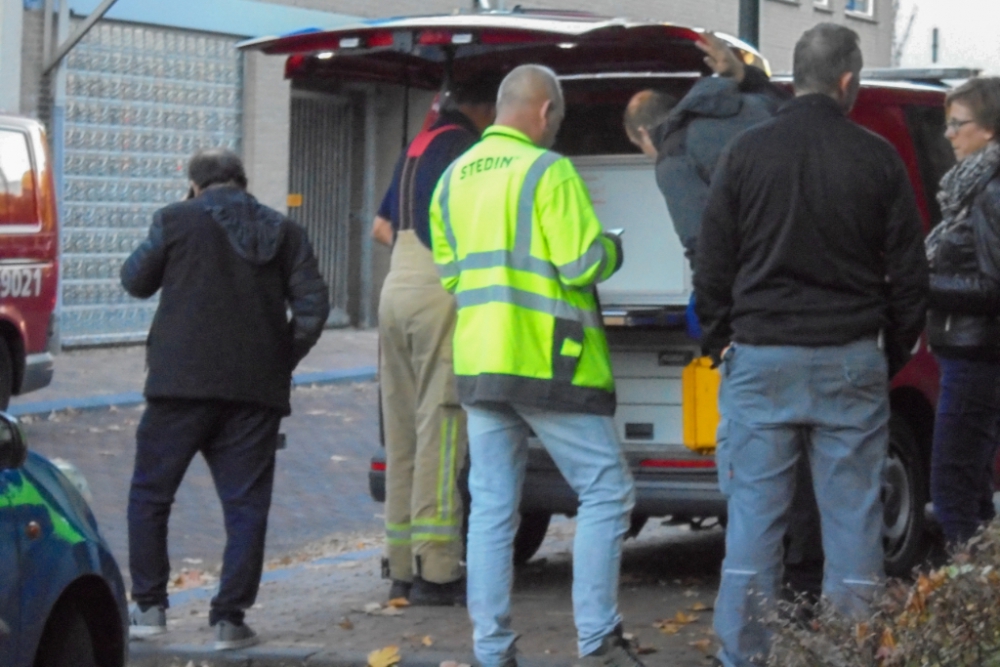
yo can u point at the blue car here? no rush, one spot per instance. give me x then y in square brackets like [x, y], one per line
[62, 599]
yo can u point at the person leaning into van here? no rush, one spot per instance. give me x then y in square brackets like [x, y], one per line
[812, 288]
[424, 425]
[686, 137]
[517, 242]
[963, 325]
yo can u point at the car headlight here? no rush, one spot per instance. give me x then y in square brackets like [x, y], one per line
[75, 478]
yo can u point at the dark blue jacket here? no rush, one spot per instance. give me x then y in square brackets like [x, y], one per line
[229, 270]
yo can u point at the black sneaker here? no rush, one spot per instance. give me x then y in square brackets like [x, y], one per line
[614, 651]
[400, 589]
[428, 594]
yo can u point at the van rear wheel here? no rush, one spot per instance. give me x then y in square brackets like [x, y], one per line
[904, 494]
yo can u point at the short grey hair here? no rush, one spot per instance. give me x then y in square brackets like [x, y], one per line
[822, 55]
[524, 83]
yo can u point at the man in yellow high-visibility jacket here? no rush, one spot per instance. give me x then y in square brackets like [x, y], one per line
[517, 242]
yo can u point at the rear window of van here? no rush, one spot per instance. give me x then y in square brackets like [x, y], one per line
[18, 203]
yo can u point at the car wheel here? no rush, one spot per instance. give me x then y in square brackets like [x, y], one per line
[529, 535]
[6, 375]
[904, 493]
[66, 641]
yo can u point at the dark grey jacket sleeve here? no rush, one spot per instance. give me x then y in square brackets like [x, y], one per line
[142, 272]
[687, 195]
[907, 281]
[308, 296]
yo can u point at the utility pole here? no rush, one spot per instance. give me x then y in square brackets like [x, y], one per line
[750, 22]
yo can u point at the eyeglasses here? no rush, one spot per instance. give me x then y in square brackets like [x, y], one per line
[955, 125]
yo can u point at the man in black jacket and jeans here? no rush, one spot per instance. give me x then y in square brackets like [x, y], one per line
[220, 354]
[811, 287]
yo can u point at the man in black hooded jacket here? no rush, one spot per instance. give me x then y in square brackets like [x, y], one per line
[220, 353]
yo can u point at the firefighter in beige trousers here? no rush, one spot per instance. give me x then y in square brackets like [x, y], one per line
[424, 425]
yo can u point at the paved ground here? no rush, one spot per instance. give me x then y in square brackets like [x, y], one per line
[325, 542]
[314, 612]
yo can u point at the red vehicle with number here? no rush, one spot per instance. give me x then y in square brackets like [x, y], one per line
[29, 259]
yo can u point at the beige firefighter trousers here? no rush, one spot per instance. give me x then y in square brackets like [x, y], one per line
[425, 433]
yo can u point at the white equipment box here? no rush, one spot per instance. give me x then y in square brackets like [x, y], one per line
[624, 192]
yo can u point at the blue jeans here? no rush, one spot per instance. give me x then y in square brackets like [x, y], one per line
[779, 403]
[966, 435]
[586, 451]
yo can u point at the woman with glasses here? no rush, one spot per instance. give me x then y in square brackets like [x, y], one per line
[963, 324]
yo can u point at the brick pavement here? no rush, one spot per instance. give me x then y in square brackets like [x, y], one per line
[313, 612]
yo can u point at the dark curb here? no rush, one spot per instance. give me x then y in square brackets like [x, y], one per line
[361, 374]
[179, 655]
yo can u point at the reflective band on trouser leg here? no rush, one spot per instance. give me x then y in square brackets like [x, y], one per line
[437, 518]
[398, 533]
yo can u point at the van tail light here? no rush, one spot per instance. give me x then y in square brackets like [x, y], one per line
[379, 39]
[675, 464]
[294, 65]
[434, 37]
[378, 466]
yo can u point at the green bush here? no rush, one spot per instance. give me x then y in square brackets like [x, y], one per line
[949, 617]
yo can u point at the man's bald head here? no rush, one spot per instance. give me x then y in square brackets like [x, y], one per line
[646, 110]
[530, 99]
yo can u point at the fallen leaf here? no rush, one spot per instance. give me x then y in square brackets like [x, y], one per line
[346, 624]
[700, 606]
[373, 608]
[702, 645]
[669, 628]
[645, 650]
[427, 641]
[398, 602]
[384, 657]
[684, 619]
[391, 611]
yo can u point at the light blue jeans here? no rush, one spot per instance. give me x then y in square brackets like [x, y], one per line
[779, 403]
[586, 451]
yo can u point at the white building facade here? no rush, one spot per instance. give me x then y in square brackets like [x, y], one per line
[952, 33]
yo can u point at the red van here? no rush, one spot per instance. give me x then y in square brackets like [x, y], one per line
[667, 408]
[29, 258]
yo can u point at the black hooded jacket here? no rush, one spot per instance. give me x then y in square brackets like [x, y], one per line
[229, 269]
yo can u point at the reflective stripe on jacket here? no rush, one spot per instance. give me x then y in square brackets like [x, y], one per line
[516, 240]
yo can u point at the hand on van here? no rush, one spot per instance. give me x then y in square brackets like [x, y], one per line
[720, 57]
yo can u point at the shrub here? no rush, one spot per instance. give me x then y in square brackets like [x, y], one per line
[948, 617]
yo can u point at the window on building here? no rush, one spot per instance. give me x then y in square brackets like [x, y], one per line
[17, 180]
[821, 4]
[864, 7]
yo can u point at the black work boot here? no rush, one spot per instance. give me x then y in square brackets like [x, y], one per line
[428, 594]
[614, 651]
[400, 589]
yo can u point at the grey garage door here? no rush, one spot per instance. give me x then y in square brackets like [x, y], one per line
[140, 100]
